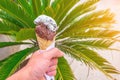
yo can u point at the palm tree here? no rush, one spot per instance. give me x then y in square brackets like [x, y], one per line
[82, 31]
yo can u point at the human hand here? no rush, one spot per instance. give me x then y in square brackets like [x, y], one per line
[41, 63]
[44, 63]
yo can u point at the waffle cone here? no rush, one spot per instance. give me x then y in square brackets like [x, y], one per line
[43, 44]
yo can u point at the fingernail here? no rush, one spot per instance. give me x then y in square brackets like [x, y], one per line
[41, 51]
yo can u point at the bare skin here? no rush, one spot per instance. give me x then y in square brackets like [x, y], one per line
[39, 65]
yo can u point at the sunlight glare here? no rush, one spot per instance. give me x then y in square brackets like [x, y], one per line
[114, 6]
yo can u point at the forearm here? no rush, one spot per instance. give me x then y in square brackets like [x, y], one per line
[22, 74]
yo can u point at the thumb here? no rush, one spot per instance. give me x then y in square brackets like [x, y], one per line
[54, 53]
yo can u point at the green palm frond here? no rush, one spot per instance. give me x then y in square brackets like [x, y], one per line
[6, 44]
[95, 18]
[13, 62]
[36, 7]
[89, 57]
[45, 4]
[89, 33]
[49, 11]
[24, 34]
[91, 19]
[64, 71]
[96, 60]
[26, 6]
[8, 28]
[6, 17]
[16, 11]
[99, 43]
[76, 12]
[65, 6]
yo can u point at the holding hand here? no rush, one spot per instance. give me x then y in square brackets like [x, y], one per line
[41, 63]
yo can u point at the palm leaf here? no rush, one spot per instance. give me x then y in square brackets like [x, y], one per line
[100, 43]
[26, 6]
[45, 4]
[76, 12]
[6, 44]
[6, 17]
[99, 62]
[9, 65]
[91, 19]
[49, 11]
[8, 28]
[16, 11]
[64, 71]
[89, 57]
[65, 6]
[55, 5]
[24, 34]
[36, 7]
[89, 33]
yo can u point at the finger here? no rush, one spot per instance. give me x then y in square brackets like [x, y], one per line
[42, 51]
[54, 61]
[38, 52]
[52, 68]
[53, 73]
[53, 53]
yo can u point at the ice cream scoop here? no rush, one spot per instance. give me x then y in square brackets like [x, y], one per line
[48, 21]
[42, 31]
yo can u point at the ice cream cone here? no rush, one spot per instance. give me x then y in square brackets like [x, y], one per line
[45, 33]
[44, 44]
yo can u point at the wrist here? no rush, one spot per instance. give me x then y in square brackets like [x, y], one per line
[32, 75]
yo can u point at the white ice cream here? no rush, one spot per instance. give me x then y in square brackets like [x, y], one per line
[48, 21]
